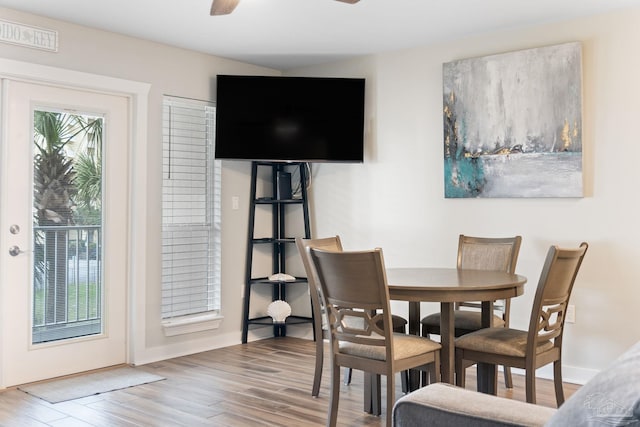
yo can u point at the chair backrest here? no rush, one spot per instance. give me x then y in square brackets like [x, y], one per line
[552, 295]
[327, 243]
[488, 253]
[356, 297]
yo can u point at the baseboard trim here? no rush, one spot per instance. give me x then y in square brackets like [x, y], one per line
[570, 374]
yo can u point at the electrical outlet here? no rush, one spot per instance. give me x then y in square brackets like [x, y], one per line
[235, 203]
[570, 316]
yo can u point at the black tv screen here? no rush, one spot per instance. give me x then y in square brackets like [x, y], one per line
[311, 119]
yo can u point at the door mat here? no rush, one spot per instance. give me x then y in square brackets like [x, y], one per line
[90, 384]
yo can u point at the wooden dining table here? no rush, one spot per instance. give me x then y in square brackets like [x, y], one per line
[448, 286]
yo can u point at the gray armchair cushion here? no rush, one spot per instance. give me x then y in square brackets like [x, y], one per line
[611, 398]
[441, 404]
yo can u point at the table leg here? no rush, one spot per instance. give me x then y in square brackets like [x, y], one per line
[447, 340]
[486, 318]
[372, 394]
[487, 378]
[414, 329]
[414, 318]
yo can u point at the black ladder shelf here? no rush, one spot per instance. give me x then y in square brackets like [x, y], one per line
[280, 199]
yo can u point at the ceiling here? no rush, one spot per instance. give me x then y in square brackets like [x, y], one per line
[285, 34]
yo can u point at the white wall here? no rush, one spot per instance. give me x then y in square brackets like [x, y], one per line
[395, 199]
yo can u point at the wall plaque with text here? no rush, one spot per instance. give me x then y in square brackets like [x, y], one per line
[28, 36]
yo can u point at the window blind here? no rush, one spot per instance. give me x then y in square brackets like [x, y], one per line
[191, 219]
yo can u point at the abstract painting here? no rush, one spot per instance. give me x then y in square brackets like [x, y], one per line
[513, 124]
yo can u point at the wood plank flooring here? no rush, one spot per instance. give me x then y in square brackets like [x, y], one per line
[263, 383]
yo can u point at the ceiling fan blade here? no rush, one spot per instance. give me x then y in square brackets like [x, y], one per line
[349, 1]
[223, 7]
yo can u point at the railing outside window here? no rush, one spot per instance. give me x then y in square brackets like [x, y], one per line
[68, 282]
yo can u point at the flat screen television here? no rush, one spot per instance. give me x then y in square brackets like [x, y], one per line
[310, 119]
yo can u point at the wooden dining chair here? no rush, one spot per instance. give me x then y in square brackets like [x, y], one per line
[356, 298]
[332, 244]
[480, 253]
[541, 344]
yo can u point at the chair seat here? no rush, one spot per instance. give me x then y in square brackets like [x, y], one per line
[398, 322]
[463, 319]
[502, 341]
[404, 346]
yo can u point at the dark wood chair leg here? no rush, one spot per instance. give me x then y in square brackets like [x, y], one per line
[335, 396]
[508, 378]
[557, 381]
[317, 376]
[404, 376]
[347, 375]
[460, 370]
[391, 398]
[530, 385]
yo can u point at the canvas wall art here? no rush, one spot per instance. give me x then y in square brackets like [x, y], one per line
[513, 124]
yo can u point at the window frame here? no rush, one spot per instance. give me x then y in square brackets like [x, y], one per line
[177, 317]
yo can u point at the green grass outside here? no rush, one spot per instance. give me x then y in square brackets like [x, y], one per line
[83, 303]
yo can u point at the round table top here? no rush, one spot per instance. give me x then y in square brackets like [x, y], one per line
[452, 284]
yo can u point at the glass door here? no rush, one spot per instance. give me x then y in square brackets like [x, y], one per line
[63, 231]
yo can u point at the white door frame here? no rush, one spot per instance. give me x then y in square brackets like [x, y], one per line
[137, 94]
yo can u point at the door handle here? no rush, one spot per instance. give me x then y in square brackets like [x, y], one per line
[15, 250]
